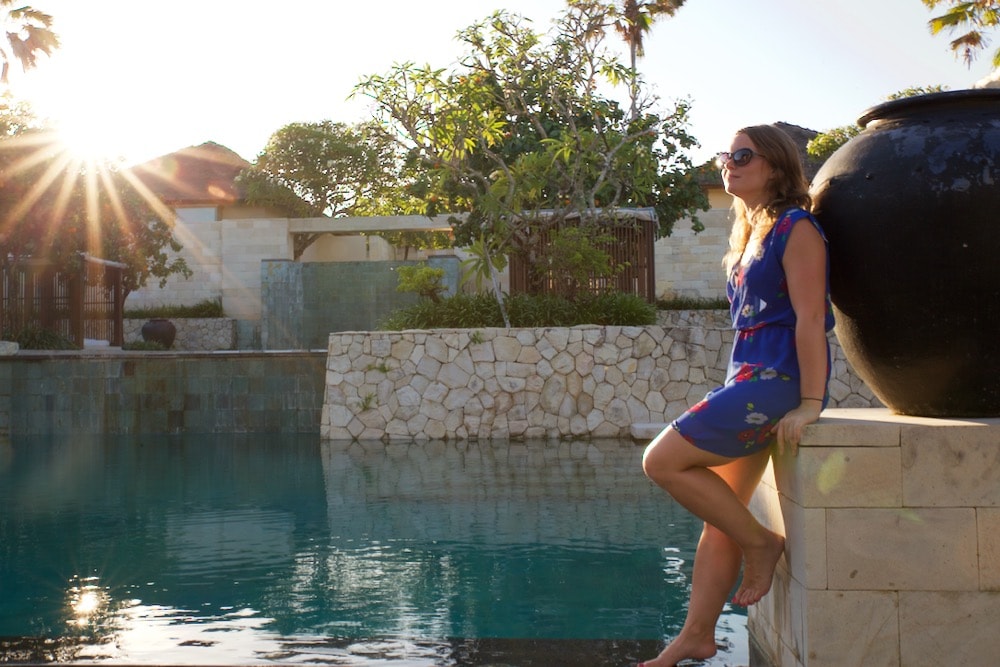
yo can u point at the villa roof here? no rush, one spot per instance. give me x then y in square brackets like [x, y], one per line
[196, 175]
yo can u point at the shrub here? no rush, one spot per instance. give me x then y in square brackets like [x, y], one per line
[461, 311]
[37, 338]
[464, 311]
[421, 279]
[692, 303]
[207, 308]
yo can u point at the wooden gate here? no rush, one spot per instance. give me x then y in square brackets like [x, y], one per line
[631, 253]
[88, 304]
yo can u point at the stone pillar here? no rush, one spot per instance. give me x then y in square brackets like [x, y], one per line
[893, 544]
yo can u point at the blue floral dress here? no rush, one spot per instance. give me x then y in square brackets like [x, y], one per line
[762, 382]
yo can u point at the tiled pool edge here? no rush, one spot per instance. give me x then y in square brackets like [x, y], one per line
[893, 552]
[45, 393]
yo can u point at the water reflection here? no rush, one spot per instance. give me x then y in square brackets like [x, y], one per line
[243, 549]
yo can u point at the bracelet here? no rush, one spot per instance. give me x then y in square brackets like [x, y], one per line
[810, 398]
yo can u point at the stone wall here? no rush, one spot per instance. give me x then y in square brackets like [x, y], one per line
[689, 264]
[586, 381]
[892, 554]
[193, 333]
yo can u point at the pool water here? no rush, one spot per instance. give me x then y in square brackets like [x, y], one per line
[257, 549]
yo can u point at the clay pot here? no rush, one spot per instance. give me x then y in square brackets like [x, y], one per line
[159, 330]
[911, 208]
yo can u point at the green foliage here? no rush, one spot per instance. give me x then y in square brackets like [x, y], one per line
[464, 311]
[522, 137]
[975, 17]
[37, 338]
[825, 144]
[367, 402]
[914, 91]
[575, 255]
[632, 20]
[331, 169]
[692, 303]
[421, 279]
[417, 240]
[461, 311]
[483, 263]
[209, 308]
[29, 33]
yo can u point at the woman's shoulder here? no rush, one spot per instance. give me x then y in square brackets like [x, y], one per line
[792, 215]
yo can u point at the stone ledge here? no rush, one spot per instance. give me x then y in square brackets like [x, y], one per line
[891, 554]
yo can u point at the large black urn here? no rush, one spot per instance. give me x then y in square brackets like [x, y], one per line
[159, 330]
[911, 207]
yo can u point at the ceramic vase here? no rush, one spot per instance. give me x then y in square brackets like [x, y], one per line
[911, 208]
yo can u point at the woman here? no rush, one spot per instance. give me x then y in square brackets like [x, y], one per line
[712, 457]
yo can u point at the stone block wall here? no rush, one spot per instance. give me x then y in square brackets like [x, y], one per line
[689, 264]
[200, 234]
[79, 393]
[892, 553]
[586, 381]
[225, 257]
[245, 244]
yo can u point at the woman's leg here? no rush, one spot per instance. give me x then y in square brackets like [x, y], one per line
[717, 560]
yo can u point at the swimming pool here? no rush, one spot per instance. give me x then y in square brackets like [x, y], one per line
[256, 549]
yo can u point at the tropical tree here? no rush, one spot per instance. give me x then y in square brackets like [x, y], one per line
[975, 18]
[521, 138]
[29, 33]
[331, 169]
[632, 20]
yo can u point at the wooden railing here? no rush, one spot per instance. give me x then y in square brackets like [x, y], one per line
[631, 254]
[87, 304]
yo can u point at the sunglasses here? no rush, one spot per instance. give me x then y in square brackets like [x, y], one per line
[740, 158]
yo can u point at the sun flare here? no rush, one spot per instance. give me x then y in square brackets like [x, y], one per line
[92, 142]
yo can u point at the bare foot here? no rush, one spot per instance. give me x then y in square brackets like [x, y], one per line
[758, 570]
[684, 648]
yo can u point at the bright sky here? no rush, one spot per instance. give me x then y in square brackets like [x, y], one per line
[141, 79]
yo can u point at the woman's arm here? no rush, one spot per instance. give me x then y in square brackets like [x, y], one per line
[805, 269]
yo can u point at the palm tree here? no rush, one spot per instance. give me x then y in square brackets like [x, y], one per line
[29, 32]
[633, 19]
[976, 16]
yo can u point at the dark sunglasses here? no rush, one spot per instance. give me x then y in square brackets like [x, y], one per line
[740, 158]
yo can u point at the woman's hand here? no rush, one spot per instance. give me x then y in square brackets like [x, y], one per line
[789, 429]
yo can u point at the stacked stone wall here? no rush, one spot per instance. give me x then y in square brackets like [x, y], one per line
[586, 381]
[193, 333]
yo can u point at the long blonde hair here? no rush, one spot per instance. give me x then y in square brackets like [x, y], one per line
[787, 187]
